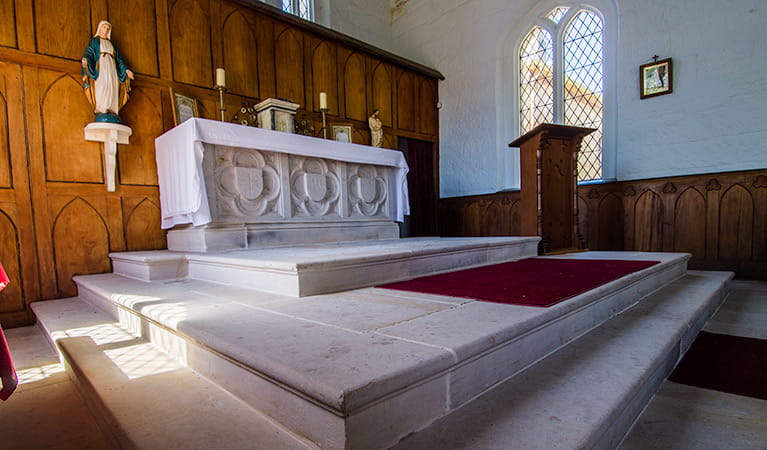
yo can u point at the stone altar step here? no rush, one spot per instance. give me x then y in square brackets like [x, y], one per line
[365, 368]
[318, 269]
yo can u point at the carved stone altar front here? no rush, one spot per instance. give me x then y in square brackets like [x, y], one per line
[278, 189]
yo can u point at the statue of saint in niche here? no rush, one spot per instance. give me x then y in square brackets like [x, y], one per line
[106, 77]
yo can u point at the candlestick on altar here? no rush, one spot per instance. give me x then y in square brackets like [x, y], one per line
[221, 86]
[323, 110]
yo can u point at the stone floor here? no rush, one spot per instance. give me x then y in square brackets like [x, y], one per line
[46, 411]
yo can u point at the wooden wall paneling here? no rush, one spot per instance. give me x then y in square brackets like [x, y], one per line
[324, 77]
[736, 216]
[64, 112]
[648, 222]
[8, 24]
[136, 163]
[713, 194]
[427, 106]
[189, 25]
[134, 31]
[759, 189]
[382, 87]
[240, 54]
[690, 224]
[142, 224]
[610, 224]
[267, 81]
[289, 65]
[164, 54]
[405, 101]
[12, 297]
[63, 27]
[5, 146]
[361, 136]
[389, 140]
[80, 241]
[355, 87]
[583, 220]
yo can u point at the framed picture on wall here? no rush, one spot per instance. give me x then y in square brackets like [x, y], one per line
[655, 78]
[183, 107]
[341, 132]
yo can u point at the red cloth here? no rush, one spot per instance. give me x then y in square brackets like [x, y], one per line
[530, 282]
[7, 372]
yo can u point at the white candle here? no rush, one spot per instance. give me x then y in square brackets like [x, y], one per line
[220, 77]
[323, 100]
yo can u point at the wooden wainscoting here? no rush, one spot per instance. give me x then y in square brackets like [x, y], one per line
[721, 219]
[57, 218]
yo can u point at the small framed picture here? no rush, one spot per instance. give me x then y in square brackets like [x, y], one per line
[656, 78]
[183, 107]
[342, 132]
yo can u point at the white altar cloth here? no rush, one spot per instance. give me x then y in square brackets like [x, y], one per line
[180, 151]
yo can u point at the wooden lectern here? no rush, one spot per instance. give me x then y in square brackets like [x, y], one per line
[548, 156]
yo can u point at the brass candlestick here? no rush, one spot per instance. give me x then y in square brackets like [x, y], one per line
[222, 108]
[324, 124]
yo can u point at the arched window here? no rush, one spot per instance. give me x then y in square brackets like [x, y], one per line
[561, 78]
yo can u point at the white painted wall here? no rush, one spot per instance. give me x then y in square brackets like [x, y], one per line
[714, 121]
[366, 20]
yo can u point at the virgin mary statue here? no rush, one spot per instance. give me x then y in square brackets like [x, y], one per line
[105, 75]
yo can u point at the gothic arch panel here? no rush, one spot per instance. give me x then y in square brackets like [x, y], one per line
[736, 224]
[355, 90]
[11, 298]
[325, 76]
[427, 104]
[80, 244]
[136, 161]
[62, 27]
[190, 42]
[405, 105]
[240, 55]
[495, 219]
[382, 94]
[610, 223]
[68, 156]
[516, 217]
[289, 66]
[690, 224]
[5, 148]
[360, 136]
[134, 30]
[142, 227]
[648, 223]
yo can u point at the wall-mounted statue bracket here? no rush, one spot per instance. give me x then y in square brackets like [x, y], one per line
[110, 134]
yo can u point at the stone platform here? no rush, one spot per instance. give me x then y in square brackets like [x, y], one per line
[368, 367]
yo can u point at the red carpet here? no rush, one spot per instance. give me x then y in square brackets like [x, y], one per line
[530, 282]
[732, 364]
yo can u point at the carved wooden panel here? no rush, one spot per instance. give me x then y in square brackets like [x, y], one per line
[62, 27]
[240, 55]
[648, 223]
[190, 42]
[382, 93]
[736, 216]
[134, 31]
[7, 24]
[142, 225]
[11, 298]
[81, 244]
[405, 101]
[324, 77]
[610, 224]
[136, 161]
[689, 228]
[583, 222]
[289, 63]
[355, 90]
[427, 103]
[5, 149]
[267, 86]
[65, 112]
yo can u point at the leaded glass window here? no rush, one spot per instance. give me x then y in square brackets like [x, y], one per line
[561, 79]
[301, 8]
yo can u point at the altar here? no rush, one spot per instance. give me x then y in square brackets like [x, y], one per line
[225, 186]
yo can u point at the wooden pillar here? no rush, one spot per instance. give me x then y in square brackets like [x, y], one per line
[548, 157]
